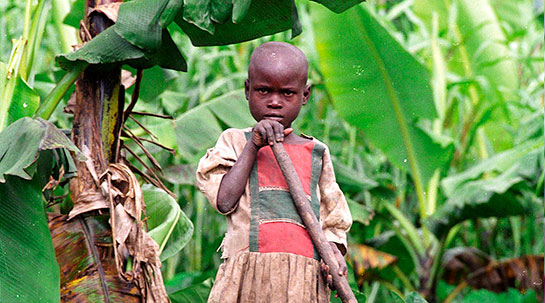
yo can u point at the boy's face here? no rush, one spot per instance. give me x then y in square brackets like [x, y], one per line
[276, 90]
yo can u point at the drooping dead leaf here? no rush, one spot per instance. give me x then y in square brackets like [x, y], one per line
[367, 261]
[69, 108]
[109, 10]
[459, 262]
[132, 244]
[479, 271]
[88, 197]
[53, 183]
[127, 79]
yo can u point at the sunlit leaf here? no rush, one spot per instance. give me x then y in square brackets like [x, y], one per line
[378, 86]
[24, 101]
[518, 14]
[28, 267]
[168, 224]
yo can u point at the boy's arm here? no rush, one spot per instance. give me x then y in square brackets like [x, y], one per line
[233, 183]
[334, 211]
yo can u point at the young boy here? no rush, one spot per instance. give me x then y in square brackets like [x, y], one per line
[268, 254]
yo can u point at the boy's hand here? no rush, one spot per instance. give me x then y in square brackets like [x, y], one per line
[343, 270]
[269, 131]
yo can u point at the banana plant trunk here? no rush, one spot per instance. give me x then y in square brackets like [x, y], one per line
[83, 240]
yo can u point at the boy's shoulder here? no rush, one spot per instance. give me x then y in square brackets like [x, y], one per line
[316, 141]
[233, 137]
[235, 132]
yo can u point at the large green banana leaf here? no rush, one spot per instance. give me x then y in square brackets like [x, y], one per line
[200, 127]
[523, 157]
[470, 197]
[480, 37]
[140, 39]
[28, 267]
[379, 87]
[168, 224]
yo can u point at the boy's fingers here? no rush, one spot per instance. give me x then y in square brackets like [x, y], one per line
[269, 133]
[278, 132]
[288, 131]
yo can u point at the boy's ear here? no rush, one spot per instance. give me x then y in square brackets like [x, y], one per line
[306, 94]
[247, 89]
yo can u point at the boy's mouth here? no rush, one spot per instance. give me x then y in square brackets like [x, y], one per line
[273, 117]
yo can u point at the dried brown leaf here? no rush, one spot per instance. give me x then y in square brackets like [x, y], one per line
[480, 271]
[367, 260]
[127, 79]
[69, 108]
[131, 240]
[109, 10]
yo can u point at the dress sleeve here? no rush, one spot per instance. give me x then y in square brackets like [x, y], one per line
[336, 218]
[217, 161]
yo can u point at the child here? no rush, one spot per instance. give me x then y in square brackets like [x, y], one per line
[268, 255]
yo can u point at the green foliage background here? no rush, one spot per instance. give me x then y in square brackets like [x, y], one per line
[433, 111]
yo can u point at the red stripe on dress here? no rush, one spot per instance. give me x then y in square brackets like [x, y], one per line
[285, 237]
[268, 171]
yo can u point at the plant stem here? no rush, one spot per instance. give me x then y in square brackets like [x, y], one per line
[374, 290]
[47, 107]
[473, 95]
[455, 292]
[67, 34]
[435, 267]
[33, 40]
[10, 81]
[410, 247]
[404, 279]
[391, 287]
[28, 13]
[412, 232]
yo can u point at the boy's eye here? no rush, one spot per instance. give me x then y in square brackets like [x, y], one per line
[289, 93]
[262, 90]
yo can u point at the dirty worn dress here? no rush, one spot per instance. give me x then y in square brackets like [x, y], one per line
[268, 254]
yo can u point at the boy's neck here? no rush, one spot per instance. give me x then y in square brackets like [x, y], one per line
[295, 139]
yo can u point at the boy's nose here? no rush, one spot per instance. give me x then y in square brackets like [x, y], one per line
[274, 102]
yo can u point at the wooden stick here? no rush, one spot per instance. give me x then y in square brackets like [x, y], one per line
[312, 225]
